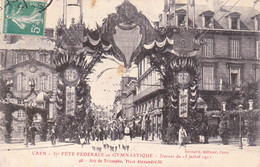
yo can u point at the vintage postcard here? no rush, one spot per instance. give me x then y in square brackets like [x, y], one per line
[129, 83]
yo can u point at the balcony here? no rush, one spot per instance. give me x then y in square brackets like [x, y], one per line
[150, 90]
[218, 87]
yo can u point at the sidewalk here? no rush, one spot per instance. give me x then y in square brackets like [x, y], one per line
[21, 146]
[139, 140]
[212, 145]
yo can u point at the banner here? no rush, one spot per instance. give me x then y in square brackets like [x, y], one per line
[183, 103]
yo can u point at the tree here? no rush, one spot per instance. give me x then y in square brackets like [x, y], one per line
[248, 91]
[224, 130]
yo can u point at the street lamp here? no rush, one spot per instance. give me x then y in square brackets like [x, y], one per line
[26, 130]
[240, 127]
[26, 104]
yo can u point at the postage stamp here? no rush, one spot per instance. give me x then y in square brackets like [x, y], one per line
[23, 17]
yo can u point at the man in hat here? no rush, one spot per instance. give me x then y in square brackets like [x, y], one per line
[33, 131]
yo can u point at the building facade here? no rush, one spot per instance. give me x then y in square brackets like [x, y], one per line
[149, 96]
[25, 60]
[123, 104]
[228, 58]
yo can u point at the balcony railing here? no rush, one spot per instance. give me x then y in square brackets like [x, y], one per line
[218, 87]
[147, 91]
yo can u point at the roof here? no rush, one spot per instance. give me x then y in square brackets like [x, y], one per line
[26, 43]
[221, 22]
[30, 61]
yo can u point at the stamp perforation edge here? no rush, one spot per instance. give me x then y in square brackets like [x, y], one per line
[2, 3]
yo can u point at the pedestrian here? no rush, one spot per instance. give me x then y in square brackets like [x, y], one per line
[26, 135]
[53, 135]
[182, 136]
[93, 138]
[99, 138]
[143, 128]
[127, 136]
[33, 131]
[120, 135]
[105, 136]
[82, 137]
[87, 136]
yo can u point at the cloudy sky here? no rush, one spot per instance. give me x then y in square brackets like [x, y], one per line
[94, 11]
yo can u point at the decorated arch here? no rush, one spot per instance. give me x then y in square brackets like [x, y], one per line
[128, 36]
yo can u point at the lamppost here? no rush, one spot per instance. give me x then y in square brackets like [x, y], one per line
[240, 127]
[26, 130]
[26, 103]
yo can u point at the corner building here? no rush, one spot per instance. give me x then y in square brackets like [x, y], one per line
[229, 56]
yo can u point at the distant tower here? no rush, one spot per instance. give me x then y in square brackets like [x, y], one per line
[172, 9]
[164, 14]
[65, 10]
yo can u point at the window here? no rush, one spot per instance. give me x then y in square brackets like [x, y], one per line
[181, 20]
[234, 20]
[234, 49]
[22, 82]
[208, 78]
[257, 74]
[19, 82]
[44, 82]
[25, 83]
[208, 22]
[20, 57]
[208, 48]
[256, 20]
[234, 23]
[43, 57]
[21, 114]
[257, 49]
[234, 77]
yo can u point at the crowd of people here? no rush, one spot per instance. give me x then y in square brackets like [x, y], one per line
[31, 131]
[117, 135]
[113, 137]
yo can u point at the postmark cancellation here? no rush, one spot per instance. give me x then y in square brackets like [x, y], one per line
[23, 17]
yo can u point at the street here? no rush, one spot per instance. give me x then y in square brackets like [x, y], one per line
[141, 153]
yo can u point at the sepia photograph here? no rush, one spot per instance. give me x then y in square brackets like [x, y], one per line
[145, 83]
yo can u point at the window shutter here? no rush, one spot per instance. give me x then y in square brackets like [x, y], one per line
[19, 82]
[37, 83]
[257, 49]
